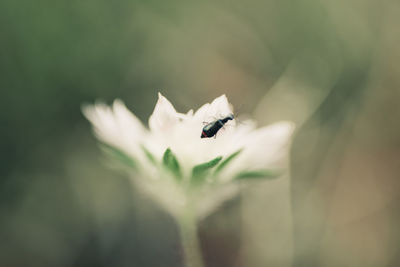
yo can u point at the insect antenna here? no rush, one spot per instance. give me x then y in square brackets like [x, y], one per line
[241, 118]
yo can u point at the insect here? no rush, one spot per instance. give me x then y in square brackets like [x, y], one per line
[212, 128]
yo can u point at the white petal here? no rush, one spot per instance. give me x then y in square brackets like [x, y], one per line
[164, 116]
[101, 117]
[202, 113]
[264, 148]
[130, 127]
[186, 116]
[268, 146]
[116, 126]
[219, 108]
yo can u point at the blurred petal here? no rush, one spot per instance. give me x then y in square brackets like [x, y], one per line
[116, 126]
[268, 146]
[101, 117]
[264, 148]
[130, 126]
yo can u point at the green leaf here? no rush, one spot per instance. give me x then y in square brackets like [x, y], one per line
[171, 163]
[119, 155]
[258, 174]
[201, 170]
[225, 162]
[149, 155]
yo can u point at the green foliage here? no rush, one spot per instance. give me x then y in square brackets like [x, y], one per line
[225, 162]
[149, 155]
[171, 163]
[258, 174]
[200, 171]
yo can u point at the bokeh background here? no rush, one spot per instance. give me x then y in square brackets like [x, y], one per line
[331, 66]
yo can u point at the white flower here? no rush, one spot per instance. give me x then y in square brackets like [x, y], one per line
[174, 165]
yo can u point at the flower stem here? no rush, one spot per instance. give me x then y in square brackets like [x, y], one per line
[190, 241]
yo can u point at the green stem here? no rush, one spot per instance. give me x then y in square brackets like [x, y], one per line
[190, 240]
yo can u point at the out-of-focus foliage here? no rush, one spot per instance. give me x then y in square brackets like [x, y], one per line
[330, 66]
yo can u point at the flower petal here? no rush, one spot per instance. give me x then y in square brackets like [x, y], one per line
[164, 115]
[220, 107]
[101, 117]
[264, 148]
[268, 146]
[130, 126]
[116, 126]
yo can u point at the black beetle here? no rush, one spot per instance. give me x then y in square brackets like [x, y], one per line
[211, 129]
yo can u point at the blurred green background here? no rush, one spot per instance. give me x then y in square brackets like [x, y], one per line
[331, 66]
